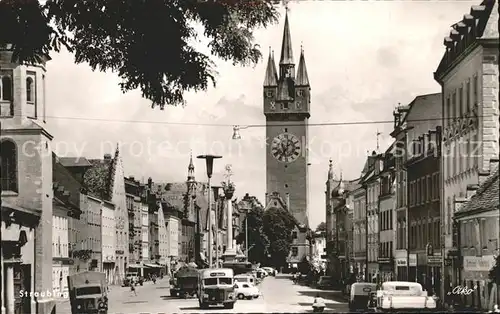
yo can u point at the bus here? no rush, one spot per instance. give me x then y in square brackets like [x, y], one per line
[216, 286]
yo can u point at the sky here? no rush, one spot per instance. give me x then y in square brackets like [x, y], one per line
[363, 58]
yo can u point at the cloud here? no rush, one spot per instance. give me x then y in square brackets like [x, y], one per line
[347, 46]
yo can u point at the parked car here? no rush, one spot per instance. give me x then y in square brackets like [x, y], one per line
[245, 290]
[271, 271]
[325, 282]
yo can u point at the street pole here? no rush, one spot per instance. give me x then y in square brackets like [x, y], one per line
[246, 234]
[216, 231]
[210, 164]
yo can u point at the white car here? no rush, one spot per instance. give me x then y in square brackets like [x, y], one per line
[245, 290]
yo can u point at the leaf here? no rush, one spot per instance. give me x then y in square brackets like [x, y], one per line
[149, 44]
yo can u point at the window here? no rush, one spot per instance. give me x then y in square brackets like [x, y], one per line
[30, 90]
[284, 106]
[467, 96]
[454, 106]
[295, 251]
[8, 157]
[294, 235]
[476, 90]
[448, 110]
[429, 188]
[6, 92]
[460, 101]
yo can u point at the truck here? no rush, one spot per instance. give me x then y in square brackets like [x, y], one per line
[88, 293]
[184, 282]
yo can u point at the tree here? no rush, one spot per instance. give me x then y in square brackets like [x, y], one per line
[96, 181]
[278, 226]
[321, 226]
[149, 44]
[257, 239]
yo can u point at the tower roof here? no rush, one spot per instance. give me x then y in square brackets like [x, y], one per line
[302, 77]
[271, 78]
[286, 45]
[330, 170]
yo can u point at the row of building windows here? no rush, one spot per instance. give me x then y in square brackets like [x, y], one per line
[422, 233]
[458, 102]
[462, 156]
[479, 233]
[424, 190]
[385, 218]
[359, 209]
[401, 235]
[385, 249]
[6, 88]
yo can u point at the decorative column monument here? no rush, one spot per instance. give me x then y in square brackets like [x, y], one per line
[228, 187]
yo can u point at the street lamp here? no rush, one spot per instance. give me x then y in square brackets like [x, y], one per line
[236, 131]
[210, 167]
[216, 190]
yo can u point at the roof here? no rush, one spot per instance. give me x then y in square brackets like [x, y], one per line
[65, 181]
[271, 78]
[98, 180]
[286, 44]
[302, 77]
[486, 197]
[74, 162]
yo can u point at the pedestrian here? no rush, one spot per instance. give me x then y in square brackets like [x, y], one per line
[132, 289]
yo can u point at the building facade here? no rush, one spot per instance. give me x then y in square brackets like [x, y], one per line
[132, 192]
[145, 256]
[26, 186]
[371, 183]
[108, 233]
[92, 253]
[60, 243]
[478, 239]
[359, 231]
[163, 238]
[386, 216]
[468, 75]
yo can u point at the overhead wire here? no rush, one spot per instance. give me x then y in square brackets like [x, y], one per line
[261, 125]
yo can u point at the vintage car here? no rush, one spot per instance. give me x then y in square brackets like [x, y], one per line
[88, 293]
[402, 296]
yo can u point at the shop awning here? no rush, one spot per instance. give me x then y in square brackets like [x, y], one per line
[136, 266]
[153, 265]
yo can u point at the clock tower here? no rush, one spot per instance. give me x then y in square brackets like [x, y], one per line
[287, 111]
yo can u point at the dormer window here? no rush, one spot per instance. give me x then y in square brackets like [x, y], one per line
[6, 88]
[30, 90]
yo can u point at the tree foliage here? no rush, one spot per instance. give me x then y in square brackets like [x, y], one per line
[495, 271]
[278, 226]
[257, 239]
[150, 44]
[321, 226]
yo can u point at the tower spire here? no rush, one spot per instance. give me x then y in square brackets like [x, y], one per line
[330, 170]
[271, 78]
[302, 77]
[191, 168]
[286, 45]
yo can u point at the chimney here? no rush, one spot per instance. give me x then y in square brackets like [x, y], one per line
[132, 178]
[471, 190]
[150, 182]
[107, 157]
[66, 195]
[483, 175]
[288, 201]
[267, 199]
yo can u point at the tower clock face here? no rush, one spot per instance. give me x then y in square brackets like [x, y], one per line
[286, 147]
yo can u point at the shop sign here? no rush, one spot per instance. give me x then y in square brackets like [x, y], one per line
[434, 260]
[412, 260]
[401, 262]
[476, 263]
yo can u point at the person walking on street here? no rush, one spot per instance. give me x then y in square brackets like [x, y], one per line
[132, 288]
